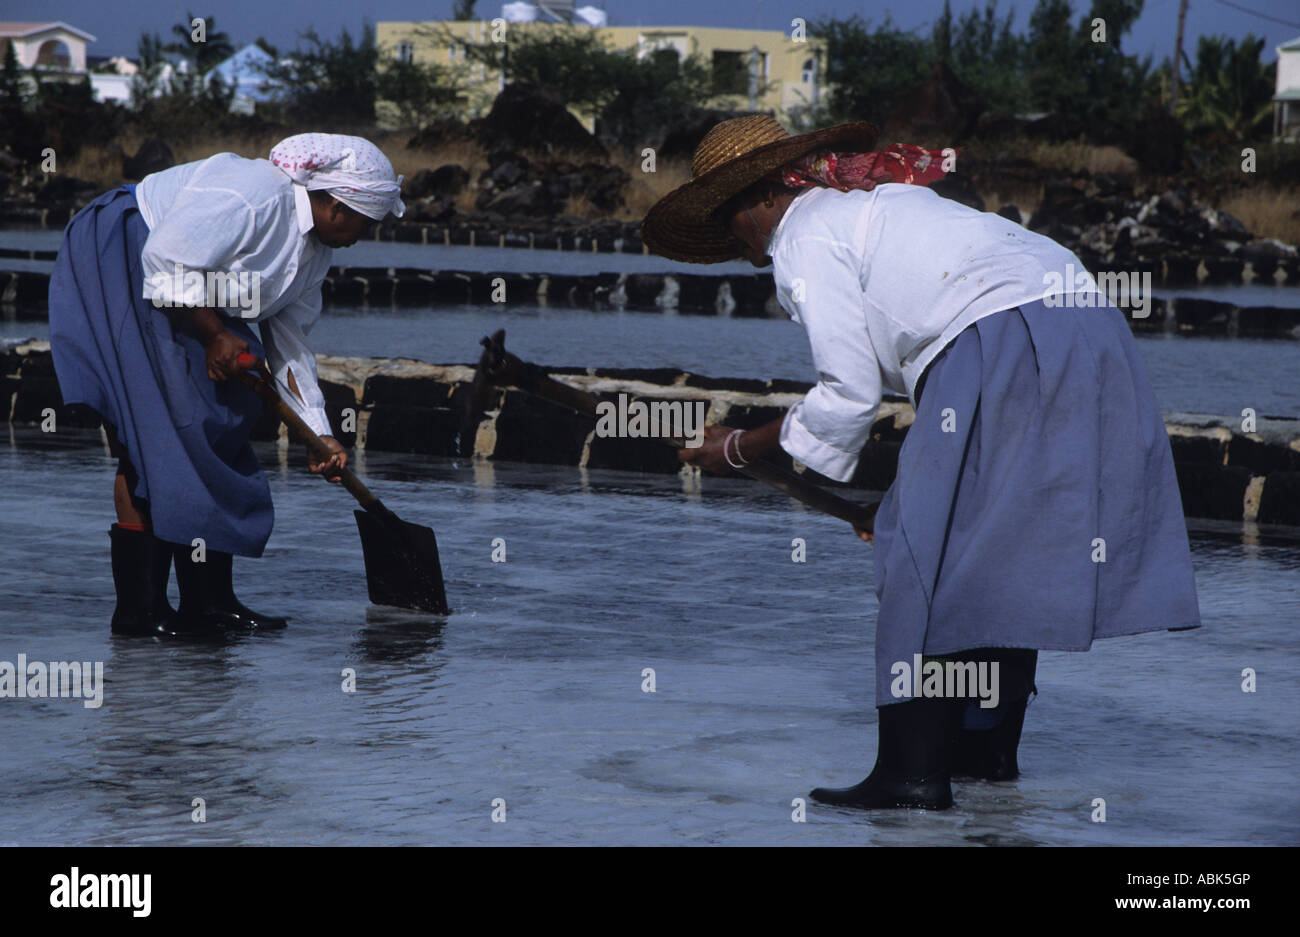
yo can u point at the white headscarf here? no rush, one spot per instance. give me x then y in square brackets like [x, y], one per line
[352, 169]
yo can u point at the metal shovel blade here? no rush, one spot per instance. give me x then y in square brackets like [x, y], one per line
[402, 567]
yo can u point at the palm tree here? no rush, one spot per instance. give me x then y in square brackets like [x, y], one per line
[213, 50]
[1231, 90]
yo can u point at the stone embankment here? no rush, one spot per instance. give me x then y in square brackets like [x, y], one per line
[402, 405]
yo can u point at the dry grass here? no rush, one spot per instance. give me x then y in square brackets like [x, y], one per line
[1267, 212]
[646, 188]
[99, 164]
[1025, 190]
[1074, 156]
[103, 164]
[408, 161]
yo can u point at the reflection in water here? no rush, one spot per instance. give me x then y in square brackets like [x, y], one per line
[395, 634]
[174, 727]
[531, 690]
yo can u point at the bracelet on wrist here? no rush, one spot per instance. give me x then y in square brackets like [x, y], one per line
[734, 434]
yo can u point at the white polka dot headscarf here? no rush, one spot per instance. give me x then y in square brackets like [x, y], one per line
[352, 169]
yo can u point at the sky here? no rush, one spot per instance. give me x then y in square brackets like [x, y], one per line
[117, 32]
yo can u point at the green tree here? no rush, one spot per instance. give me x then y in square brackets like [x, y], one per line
[213, 50]
[657, 91]
[1053, 68]
[1230, 92]
[868, 69]
[1116, 84]
[1087, 81]
[985, 55]
[329, 83]
[575, 65]
[941, 35]
[148, 79]
[463, 9]
[418, 92]
[11, 80]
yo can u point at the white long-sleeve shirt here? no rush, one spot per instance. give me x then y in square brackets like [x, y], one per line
[227, 214]
[882, 281]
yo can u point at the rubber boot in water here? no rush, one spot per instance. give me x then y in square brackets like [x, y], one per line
[912, 759]
[141, 566]
[989, 740]
[208, 594]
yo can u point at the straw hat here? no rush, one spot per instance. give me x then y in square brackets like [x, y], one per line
[733, 156]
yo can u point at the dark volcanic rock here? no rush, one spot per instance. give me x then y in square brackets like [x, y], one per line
[532, 119]
[439, 133]
[446, 180]
[153, 156]
[506, 169]
[429, 210]
[514, 187]
[528, 199]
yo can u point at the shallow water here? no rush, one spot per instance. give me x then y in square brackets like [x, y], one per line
[530, 690]
[438, 257]
[1199, 374]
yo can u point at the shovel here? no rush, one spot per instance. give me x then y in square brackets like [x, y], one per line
[402, 567]
[498, 366]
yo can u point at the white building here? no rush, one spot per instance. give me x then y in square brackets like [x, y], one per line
[60, 49]
[55, 45]
[552, 11]
[246, 70]
[1286, 101]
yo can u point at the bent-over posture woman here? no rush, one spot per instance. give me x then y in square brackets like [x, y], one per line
[1035, 504]
[153, 297]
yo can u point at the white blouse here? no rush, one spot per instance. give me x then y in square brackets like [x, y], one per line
[882, 281]
[227, 214]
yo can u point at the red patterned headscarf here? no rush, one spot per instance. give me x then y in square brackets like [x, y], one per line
[900, 162]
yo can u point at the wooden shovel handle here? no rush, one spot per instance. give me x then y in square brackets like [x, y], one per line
[256, 377]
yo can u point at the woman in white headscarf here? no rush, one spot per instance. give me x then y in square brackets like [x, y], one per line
[152, 300]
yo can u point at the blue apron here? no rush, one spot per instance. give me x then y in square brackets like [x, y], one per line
[114, 351]
[1048, 514]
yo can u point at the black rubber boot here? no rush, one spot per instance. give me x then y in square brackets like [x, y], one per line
[912, 759]
[141, 566]
[988, 753]
[208, 594]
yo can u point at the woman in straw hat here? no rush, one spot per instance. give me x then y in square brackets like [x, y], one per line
[152, 300]
[1035, 504]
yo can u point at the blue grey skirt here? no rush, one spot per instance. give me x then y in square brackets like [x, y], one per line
[185, 435]
[1035, 504]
